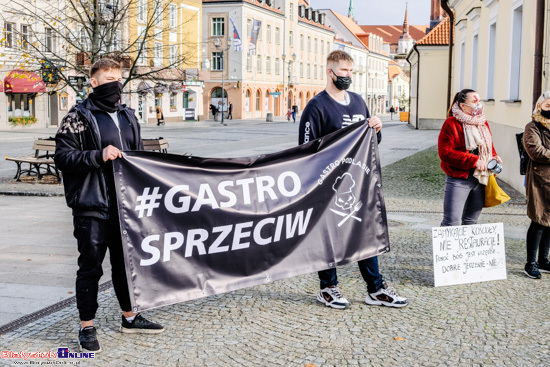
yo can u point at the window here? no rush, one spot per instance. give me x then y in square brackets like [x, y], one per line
[158, 54]
[462, 61]
[291, 39]
[116, 42]
[301, 70]
[141, 10]
[276, 66]
[491, 61]
[173, 15]
[49, 40]
[475, 46]
[315, 71]
[268, 33]
[248, 27]
[291, 11]
[322, 48]
[268, 64]
[8, 34]
[258, 97]
[142, 58]
[218, 26]
[301, 42]
[277, 36]
[259, 64]
[308, 70]
[315, 45]
[217, 61]
[173, 54]
[248, 63]
[173, 107]
[157, 14]
[308, 43]
[25, 36]
[515, 53]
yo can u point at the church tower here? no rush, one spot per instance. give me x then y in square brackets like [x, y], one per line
[351, 11]
[406, 42]
[437, 14]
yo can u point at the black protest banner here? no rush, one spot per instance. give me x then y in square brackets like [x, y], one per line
[194, 227]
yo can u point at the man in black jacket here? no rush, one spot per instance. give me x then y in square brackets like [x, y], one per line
[90, 137]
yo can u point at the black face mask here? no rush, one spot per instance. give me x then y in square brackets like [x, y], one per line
[107, 96]
[545, 114]
[342, 82]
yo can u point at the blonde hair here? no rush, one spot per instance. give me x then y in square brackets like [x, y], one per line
[544, 96]
[104, 64]
[338, 55]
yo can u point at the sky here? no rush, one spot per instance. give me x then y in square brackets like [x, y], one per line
[380, 12]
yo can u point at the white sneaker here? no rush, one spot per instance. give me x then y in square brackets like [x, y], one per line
[386, 296]
[332, 297]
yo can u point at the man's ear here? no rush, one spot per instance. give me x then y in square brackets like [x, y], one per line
[93, 82]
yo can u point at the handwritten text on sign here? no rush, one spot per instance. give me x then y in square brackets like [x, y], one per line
[468, 254]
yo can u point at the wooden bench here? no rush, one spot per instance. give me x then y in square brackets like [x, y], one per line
[41, 163]
[159, 145]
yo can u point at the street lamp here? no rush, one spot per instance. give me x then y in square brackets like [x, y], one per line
[218, 44]
[283, 56]
[290, 62]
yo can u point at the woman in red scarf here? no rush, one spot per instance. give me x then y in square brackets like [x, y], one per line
[465, 146]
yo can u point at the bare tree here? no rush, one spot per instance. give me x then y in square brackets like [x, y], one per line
[63, 42]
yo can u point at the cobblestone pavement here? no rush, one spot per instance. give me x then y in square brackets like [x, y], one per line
[498, 323]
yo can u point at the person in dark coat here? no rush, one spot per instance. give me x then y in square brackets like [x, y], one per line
[89, 138]
[536, 141]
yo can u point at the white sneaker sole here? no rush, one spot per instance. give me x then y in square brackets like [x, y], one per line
[332, 305]
[371, 302]
[84, 350]
[530, 276]
[140, 331]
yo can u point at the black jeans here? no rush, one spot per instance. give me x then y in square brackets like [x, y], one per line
[538, 236]
[369, 271]
[94, 236]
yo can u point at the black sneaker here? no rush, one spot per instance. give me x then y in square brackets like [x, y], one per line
[544, 266]
[140, 325]
[87, 340]
[532, 270]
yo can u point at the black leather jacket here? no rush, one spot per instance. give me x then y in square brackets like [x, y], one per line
[78, 154]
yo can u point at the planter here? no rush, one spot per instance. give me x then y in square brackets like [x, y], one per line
[22, 120]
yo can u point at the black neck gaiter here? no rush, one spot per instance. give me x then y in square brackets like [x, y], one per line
[107, 96]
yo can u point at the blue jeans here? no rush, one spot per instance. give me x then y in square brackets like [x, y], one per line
[464, 199]
[369, 271]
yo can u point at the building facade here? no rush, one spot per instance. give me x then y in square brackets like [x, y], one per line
[172, 52]
[23, 94]
[429, 60]
[494, 53]
[266, 55]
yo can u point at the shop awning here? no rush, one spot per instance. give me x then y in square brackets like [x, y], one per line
[21, 81]
[143, 87]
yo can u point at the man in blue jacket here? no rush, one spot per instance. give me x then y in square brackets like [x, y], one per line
[90, 137]
[330, 110]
